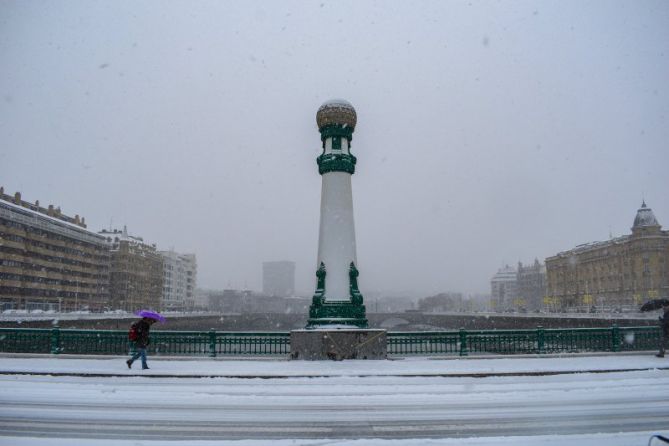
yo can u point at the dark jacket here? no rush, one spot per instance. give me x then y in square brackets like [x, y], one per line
[143, 328]
[664, 322]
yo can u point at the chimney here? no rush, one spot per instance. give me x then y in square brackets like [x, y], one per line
[17, 198]
[50, 211]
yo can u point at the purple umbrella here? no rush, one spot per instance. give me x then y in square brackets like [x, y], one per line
[151, 315]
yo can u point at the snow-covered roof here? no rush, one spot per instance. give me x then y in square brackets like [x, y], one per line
[117, 236]
[506, 274]
[53, 222]
[645, 217]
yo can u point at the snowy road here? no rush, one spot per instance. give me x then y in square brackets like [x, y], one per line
[339, 406]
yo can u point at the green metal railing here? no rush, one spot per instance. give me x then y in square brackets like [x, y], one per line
[115, 342]
[213, 343]
[27, 340]
[513, 342]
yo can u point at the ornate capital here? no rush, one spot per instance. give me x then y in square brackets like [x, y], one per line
[336, 131]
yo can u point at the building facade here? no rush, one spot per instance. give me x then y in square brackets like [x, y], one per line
[531, 285]
[503, 289]
[136, 275]
[618, 274]
[179, 281]
[278, 278]
[50, 261]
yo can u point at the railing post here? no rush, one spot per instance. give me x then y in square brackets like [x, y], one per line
[463, 343]
[212, 343]
[615, 338]
[55, 340]
[541, 340]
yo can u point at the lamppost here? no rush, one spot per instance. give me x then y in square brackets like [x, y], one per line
[337, 325]
[337, 300]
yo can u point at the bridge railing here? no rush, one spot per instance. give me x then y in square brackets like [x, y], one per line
[115, 342]
[533, 341]
[213, 343]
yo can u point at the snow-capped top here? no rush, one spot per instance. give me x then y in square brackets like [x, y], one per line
[336, 111]
[645, 217]
[336, 101]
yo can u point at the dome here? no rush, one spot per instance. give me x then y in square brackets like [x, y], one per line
[336, 111]
[645, 217]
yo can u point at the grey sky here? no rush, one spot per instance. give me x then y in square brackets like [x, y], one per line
[488, 132]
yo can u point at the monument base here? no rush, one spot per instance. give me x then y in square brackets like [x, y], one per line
[347, 313]
[338, 343]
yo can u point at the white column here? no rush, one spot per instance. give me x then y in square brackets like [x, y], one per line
[336, 241]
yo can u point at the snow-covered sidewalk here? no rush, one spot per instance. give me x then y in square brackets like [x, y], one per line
[276, 368]
[409, 402]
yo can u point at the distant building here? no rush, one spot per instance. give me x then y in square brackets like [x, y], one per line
[378, 302]
[227, 301]
[136, 272]
[443, 302]
[231, 301]
[617, 274]
[278, 278]
[201, 299]
[531, 286]
[504, 289]
[48, 260]
[179, 280]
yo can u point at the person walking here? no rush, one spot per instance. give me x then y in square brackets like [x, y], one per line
[664, 331]
[140, 331]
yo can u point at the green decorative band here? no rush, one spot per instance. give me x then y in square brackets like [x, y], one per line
[340, 313]
[336, 162]
[336, 131]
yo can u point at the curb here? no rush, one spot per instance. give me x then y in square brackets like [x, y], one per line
[399, 375]
[286, 357]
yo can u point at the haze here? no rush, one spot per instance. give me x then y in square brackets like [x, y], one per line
[488, 132]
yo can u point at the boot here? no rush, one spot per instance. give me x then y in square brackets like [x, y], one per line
[129, 362]
[660, 355]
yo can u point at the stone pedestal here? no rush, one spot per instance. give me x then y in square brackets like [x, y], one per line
[338, 344]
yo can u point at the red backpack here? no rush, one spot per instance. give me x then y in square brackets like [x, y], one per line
[132, 333]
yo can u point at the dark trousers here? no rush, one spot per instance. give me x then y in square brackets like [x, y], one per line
[140, 353]
[664, 343]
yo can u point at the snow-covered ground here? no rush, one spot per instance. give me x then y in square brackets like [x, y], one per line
[436, 366]
[56, 401]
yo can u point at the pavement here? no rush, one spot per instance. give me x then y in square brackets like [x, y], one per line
[200, 367]
[59, 400]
